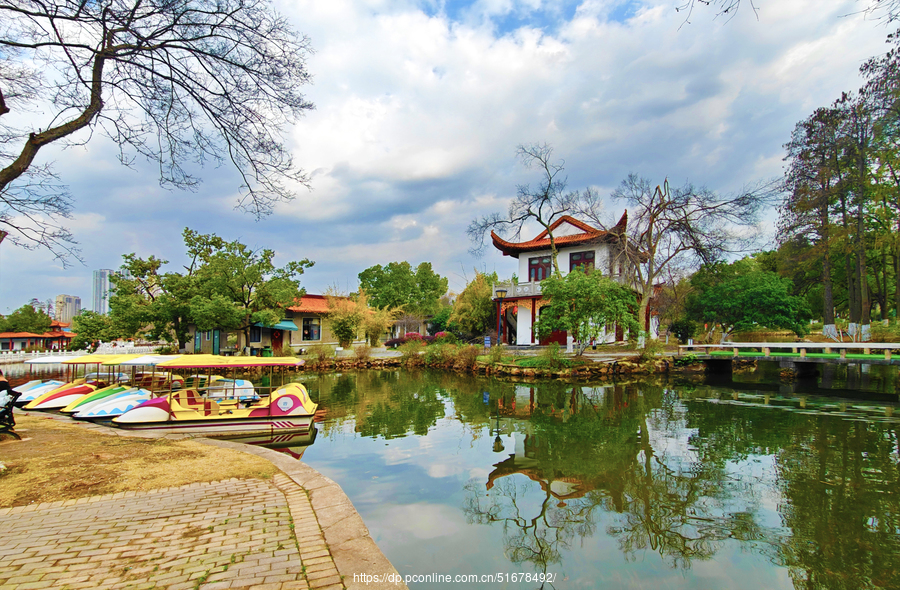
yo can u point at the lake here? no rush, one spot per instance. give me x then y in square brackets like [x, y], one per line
[652, 483]
[648, 484]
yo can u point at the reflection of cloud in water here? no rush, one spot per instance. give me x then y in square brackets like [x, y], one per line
[424, 521]
[479, 473]
[444, 469]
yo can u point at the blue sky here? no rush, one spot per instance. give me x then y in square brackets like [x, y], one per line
[420, 106]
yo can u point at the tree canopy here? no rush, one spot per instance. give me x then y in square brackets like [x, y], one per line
[474, 311]
[178, 82]
[28, 318]
[397, 285]
[584, 304]
[742, 296]
[225, 285]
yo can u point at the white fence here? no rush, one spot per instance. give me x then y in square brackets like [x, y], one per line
[17, 356]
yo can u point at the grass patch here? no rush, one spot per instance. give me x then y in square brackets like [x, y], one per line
[64, 461]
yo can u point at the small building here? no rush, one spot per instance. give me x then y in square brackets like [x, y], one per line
[309, 315]
[578, 245]
[57, 338]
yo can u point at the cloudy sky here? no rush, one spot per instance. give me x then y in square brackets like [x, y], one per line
[420, 106]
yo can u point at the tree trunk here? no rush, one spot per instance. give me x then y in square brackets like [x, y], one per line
[828, 329]
[865, 305]
[852, 294]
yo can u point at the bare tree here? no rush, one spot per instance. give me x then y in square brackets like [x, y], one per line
[179, 82]
[543, 203]
[878, 9]
[678, 227]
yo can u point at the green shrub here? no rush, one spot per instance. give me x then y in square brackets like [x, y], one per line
[466, 357]
[439, 355]
[320, 352]
[683, 329]
[686, 360]
[551, 357]
[284, 350]
[363, 352]
[495, 354]
[882, 333]
[652, 347]
[410, 351]
[445, 338]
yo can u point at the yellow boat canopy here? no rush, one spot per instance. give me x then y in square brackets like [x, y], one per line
[211, 361]
[97, 359]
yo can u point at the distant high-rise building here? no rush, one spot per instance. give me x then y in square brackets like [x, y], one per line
[101, 290]
[67, 307]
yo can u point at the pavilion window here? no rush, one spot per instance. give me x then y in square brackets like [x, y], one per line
[585, 260]
[539, 268]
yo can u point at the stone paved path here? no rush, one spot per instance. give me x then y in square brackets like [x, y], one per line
[230, 534]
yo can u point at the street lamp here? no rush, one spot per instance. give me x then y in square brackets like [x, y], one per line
[501, 293]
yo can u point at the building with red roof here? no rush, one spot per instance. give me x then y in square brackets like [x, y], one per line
[57, 338]
[578, 244]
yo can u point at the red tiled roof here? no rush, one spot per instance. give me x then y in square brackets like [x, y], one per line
[20, 335]
[311, 304]
[591, 235]
[58, 335]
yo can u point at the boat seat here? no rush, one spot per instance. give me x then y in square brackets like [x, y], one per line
[210, 408]
[188, 398]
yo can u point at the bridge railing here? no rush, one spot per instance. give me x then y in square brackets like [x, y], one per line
[798, 347]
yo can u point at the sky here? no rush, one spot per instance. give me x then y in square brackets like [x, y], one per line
[421, 104]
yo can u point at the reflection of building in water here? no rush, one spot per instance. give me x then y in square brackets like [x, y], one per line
[562, 402]
[523, 461]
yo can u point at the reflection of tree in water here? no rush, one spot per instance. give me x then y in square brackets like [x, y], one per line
[531, 535]
[382, 403]
[838, 483]
[840, 480]
[591, 449]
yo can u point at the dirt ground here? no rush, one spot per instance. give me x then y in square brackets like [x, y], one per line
[57, 460]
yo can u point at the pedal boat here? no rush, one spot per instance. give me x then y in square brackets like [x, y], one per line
[287, 409]
[114, 405]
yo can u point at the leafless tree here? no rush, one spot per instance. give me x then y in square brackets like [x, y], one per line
[179, 82]
[679, 227]
[878, 9]
[543, 203]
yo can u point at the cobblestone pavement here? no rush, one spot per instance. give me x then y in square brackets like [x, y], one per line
[230, 534]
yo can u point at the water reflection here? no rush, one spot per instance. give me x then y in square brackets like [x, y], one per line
[617, 485]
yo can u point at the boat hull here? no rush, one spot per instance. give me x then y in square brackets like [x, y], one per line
[273, 425]
[288, 409]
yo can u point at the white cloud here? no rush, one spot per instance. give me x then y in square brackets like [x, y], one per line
[420, 109]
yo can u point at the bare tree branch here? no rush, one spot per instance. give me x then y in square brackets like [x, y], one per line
[179, 82]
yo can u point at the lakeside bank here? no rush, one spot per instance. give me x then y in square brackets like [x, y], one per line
[296, 531]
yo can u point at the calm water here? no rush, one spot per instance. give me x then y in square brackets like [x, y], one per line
[648, 484]
[640, 485]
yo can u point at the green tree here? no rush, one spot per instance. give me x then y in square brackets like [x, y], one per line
[238, 287]
[345, 317]
[90, 326]
[144, 300]
[28, 318]
[474, 311]
[396, 284]
[584, 304]
[741, 296]
[374, 321]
